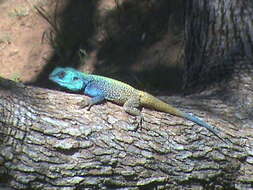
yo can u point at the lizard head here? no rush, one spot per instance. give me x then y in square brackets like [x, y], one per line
[68, 77]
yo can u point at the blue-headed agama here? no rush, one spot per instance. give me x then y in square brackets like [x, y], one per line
[101, 88]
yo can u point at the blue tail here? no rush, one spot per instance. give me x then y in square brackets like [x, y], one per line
[203, 124]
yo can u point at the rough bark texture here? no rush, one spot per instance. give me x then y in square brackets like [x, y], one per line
[47, 142]
[219, 48]
[218, 55]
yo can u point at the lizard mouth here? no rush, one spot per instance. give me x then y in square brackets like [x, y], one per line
[58, 81]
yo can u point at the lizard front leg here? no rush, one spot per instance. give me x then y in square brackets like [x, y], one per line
[97, 95]
[90, 102]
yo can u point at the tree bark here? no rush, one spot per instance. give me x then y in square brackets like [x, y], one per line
[218, 57]
[219, 50]
[47, 142]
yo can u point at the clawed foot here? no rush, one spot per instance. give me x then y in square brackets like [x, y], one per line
[85, 104]
[137, 122]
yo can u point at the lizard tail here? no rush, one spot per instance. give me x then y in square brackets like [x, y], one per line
[150, 101]
[147, 100]
[210, 128]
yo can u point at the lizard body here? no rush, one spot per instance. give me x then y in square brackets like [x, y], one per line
[102, 88]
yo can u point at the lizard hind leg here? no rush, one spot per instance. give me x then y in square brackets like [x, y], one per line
[131, 106]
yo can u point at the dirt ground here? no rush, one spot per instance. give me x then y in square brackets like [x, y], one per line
[24, 54]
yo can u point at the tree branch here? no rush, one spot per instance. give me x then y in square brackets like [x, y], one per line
[48, 142]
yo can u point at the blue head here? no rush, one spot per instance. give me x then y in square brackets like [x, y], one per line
[68, 77]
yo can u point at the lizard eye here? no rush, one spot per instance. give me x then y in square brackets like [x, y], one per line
[61, 75]
[75, 78]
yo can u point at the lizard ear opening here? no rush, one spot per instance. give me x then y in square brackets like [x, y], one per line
[84, 84]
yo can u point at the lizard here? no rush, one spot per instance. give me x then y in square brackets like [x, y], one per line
[101, 88]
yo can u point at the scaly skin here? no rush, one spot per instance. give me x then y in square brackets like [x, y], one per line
[102, 88]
